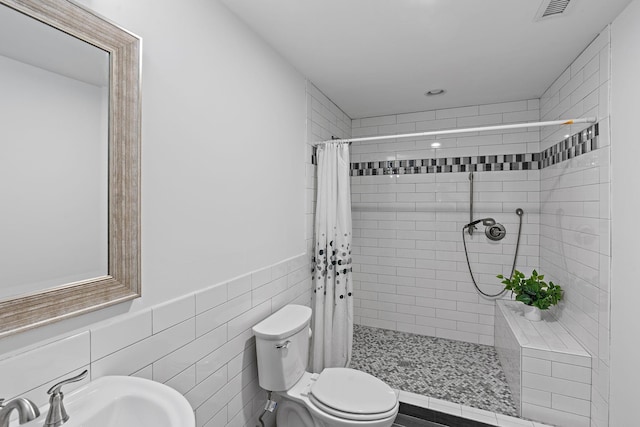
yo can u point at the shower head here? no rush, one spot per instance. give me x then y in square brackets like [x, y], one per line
[487, 222]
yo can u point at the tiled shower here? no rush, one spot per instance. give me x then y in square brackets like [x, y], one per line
[411, 199]
[411, 271]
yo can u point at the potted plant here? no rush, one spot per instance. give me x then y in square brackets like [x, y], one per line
[533, 291]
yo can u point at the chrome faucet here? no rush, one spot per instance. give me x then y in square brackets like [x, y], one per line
[57, 415]
[27, 411]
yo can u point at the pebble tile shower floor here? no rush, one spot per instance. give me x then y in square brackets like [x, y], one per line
[456, 371]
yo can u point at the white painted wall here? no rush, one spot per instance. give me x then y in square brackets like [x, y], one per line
[223, 144]
[625, 205]
[223, 131]
[223, 197]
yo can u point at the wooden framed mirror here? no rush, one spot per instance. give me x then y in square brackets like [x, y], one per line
[118, 279]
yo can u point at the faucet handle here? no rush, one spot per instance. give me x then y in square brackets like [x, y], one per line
[57, 415]
[55, 389]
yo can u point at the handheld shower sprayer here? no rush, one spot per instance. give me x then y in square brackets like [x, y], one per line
[487, 222]
[494, 232]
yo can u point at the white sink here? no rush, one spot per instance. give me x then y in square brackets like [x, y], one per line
[118, 401]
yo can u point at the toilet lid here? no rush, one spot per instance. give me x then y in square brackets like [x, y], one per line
[350, 391]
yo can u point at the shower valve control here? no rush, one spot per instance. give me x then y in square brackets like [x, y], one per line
[495, 232]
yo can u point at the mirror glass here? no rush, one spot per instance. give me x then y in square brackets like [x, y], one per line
[69, 163]
[54, 131]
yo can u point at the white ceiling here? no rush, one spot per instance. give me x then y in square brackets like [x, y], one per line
[378, 57]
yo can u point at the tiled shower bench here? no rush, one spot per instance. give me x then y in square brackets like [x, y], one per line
[548, 371]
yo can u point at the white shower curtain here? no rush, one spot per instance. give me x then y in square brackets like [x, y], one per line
[332, 283]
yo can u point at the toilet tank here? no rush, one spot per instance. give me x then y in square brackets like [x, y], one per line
[282, 346]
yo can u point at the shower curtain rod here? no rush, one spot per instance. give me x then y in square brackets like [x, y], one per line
[466, 130]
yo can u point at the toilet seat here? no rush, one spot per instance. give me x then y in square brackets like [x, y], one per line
[353, 395]
[353, 416]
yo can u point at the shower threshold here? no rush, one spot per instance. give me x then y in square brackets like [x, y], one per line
[415, 416]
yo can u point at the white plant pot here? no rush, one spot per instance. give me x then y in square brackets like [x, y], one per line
[532, 313]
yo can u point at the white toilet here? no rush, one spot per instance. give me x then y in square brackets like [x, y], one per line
[337, 397]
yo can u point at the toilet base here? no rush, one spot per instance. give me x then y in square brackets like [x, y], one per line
[291, 414]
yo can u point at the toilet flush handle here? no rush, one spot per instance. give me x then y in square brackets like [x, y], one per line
[283, 345]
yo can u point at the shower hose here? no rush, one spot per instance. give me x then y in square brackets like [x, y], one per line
[519, 212]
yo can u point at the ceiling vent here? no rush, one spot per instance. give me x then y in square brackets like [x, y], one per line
[552, 8]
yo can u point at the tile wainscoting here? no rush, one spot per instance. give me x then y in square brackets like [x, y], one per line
[200, 344]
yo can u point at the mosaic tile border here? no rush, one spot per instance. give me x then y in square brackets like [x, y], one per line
[580, 143]
[449, 164]
[575, 145]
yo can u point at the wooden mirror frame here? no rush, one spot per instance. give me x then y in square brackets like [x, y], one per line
[122, 282]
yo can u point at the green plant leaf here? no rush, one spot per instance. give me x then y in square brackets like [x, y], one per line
[532, 290]
[524, 298]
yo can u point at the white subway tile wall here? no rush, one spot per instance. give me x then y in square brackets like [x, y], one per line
[410, 272]
[200, 344]
[575, 219]
[509, 353]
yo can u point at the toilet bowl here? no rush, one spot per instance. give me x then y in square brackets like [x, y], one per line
[336, 397]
